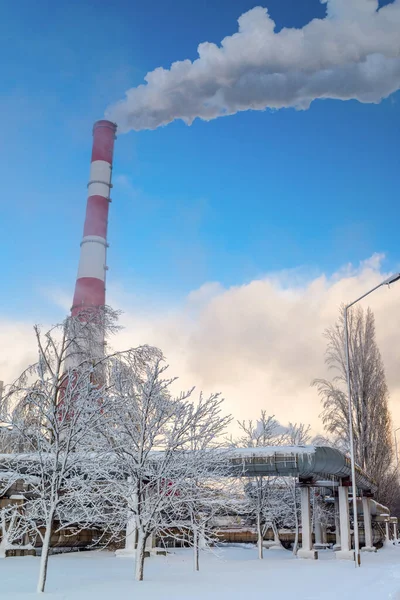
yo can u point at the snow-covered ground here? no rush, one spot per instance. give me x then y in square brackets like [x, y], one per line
[235, 574]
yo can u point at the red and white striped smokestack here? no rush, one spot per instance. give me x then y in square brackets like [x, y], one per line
[90, 290]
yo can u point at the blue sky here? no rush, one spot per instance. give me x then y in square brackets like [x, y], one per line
[227, 201]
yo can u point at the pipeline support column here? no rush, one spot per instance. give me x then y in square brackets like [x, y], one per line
[317, 527]
[387, 532]
[337, 545]
[345, 539]
[369, 547]
[306, 550]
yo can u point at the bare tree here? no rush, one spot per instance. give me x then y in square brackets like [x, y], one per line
[371, 415]
[205, 493]
[272, 500]
[14, 528]
[151, 435]
[51, 409]
[266, 431]
[295, 435]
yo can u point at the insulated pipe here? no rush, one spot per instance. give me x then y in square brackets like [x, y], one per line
[375, 508]
[314, 462]
[90, 290]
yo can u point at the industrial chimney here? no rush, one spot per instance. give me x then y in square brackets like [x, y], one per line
[90, 290]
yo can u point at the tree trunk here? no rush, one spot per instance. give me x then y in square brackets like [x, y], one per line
[4, 537]
[196, 548]
[202, 537]
[139, 561]
[44, 559]
[260, 537]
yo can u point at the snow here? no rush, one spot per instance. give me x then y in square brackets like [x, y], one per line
[265, 451]
[230, 575]
[261, 451]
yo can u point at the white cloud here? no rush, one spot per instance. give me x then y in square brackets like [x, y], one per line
[353, 53]
[260, 343]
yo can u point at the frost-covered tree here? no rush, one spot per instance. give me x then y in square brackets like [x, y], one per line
[266, 431]
[272, 501]
[53, 408]
[259, 490]
[295, 435]
[150, 435]
[14, 528]
[264, 497]
[205, 493]
[371, 416]
[6, 438]
[201, 501]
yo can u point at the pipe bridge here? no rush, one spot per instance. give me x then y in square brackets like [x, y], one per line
[320, 466]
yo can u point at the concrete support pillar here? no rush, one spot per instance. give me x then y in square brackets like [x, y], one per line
[131, 530]
[395, 532]
[306, 550]
[387, 536]
[337, 545]
[369, 547]
[324, 536]
[317, 527]
[130, 539]
[344, 514]
[150, 543]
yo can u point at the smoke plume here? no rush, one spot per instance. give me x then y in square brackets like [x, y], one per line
[353, 53]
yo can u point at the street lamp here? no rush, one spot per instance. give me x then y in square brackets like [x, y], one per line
[387, 281]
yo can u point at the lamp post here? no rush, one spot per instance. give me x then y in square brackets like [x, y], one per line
[387, 281]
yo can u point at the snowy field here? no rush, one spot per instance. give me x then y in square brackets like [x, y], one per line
[235, 574]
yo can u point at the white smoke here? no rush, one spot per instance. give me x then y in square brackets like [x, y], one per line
[353, 53]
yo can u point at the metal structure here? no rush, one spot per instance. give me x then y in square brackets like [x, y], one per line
[90, 289]
[313, 466]
[320, 466]
[388, 281]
